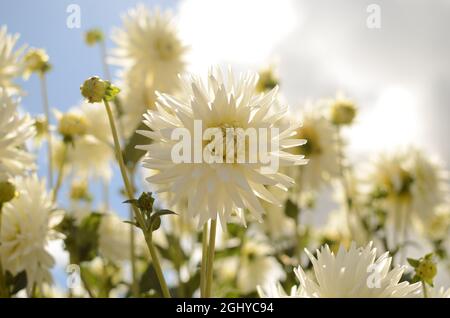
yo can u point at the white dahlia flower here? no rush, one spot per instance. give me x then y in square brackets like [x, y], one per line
[276, 223]
[114, 238]
[277, 291]
[213, 178]
[149, 43]
[434, 292]
[14, 132]
[356, 272]
[320, 149]
[94, 142]
[10, 63]
[26, 228]
[137, 97]
[409, 183]
[255, 265]
[437, 225]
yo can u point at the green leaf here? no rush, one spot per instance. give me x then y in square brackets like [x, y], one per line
[163, 212]
[131, 155]
[81, 241]
[291, 209]
[413, 262]
[149, 281]
[17, 282]
[133, 223]
[111, 92]
[155, 223]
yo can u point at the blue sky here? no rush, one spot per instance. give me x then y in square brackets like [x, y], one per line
[42, 24]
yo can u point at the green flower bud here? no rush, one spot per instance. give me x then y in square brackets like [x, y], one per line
[94, 89]
[93, 36]
[41, 126]
[426, 270]
[342, 112]
[145, 201]
[71, 125]
[7, 191]
[36, 61]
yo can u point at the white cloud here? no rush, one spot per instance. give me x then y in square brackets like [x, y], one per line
[234, 31]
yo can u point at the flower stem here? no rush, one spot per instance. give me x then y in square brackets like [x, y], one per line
[210, 262]
[203, 269]
[134, 283]
[103, 57]
[348, 199]
[425, 292]
[85, 284]
[47, 128]
[4, 293]
[137, 214]
[60, 173]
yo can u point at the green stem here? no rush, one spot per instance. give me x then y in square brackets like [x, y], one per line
[340, 155]
[137, 214]
[203, 269]
[134, 283]
[60, 173]
[298, 236]
[4, 292]
[85, 284]
[47, 128]
[210, 262]
[103, 57]
[425, 292]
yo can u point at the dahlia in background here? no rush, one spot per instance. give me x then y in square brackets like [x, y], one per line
[151, 56]
[320, 149]
[15, 130]
[149, 42]
[26, 229]
[11, 65]
[409, 184]
[92, 140]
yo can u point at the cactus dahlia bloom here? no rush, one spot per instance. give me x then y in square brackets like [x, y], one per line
[149, 42]
[215, 183]
[14, 132]
[352, 273]
[10, 64]
[26, 228]
[409, 184]
[320, 150]
[356, 272]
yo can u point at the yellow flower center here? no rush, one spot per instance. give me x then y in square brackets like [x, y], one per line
[71, 125]
[165, 48]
